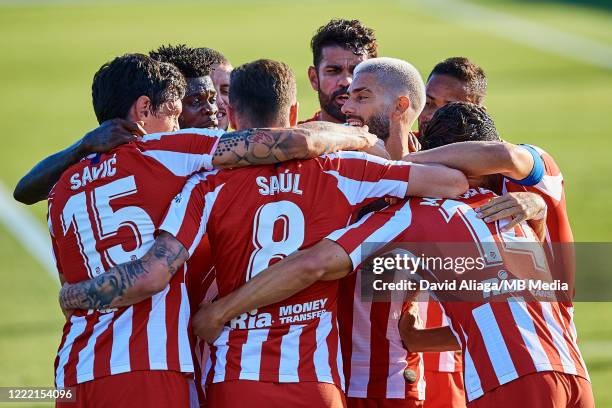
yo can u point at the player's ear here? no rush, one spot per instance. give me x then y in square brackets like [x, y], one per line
[141, 109]
[314, 78]
[231, 116]
[402, 104]
[293, 114]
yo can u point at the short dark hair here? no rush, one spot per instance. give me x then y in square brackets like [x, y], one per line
[214, 56]
[120, 82]
[263, 90]
[459, 122]
[191, 62]
[465, 71]
[348, 34]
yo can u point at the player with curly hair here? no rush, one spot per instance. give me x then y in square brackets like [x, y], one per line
[337, 48]
[200, 101]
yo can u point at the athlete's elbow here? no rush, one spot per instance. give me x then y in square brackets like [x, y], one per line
[154, 283]
[456, 184]
[311, 268]
[21, 194]
[510, 158]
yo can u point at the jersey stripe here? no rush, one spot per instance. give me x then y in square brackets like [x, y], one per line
[184, 352]
[251, 354]
[289, 359]
[85, 371]
[157, 334]
[528, 332]
[120, 352]
[77, 327]
[320, 356]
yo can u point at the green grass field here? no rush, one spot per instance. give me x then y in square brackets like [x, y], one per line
[50, 51]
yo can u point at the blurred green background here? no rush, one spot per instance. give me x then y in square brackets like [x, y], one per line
[49, 52]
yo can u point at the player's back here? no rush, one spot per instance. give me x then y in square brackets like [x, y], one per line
[104, 211]
[255, 217]
[508, 333]
[505, 331]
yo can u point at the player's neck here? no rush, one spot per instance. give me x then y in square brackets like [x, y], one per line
[326, 117]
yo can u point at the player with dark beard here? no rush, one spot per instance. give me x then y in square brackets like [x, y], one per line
[337, 48]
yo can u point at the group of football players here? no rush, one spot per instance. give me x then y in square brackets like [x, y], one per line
[208, 267]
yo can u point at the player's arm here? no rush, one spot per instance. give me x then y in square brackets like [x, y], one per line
[324, 261]
[37, 183]
[130, 282]
[401, 145]
[427, 180]
[521, 163]
[135, 281]
[417, 339]
[272, 145]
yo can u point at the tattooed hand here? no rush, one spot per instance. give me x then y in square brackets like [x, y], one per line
[130, 282]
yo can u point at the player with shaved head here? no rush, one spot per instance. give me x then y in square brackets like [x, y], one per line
[387, 94]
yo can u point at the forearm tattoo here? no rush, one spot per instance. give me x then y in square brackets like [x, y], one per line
[106, 290]
[256, 146]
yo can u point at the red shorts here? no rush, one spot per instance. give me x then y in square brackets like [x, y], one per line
[548, 389]
[150, 389]
[443, 390]
[383, 403]
[256, 394]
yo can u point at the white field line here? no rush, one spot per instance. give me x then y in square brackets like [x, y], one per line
[478, 18]
[30, 233]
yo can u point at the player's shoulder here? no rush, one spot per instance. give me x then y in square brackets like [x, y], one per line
[178, 139]
[552, 171]
[188, 132]
[348, 158]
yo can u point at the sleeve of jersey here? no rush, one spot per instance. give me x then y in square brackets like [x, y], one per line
[372, 232]
[184, 152]
[54, 248]
[363, 177]
[187, 215]
[551, 182]
[537, 172]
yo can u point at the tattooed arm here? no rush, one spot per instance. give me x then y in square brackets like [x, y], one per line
[273, 145]
[130, 282]
[36, 185]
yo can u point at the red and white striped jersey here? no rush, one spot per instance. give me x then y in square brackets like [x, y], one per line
[372, 350]
[432, 315]
[104, 211]
[202, 288]
[255, 217]
[501, 340]
[558, 230]
[551, 188]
